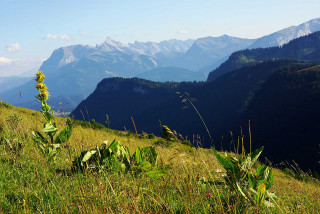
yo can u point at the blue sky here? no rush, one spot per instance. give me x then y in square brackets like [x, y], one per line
[32, 29]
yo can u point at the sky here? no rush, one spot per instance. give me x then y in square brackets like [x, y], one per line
[30, 30]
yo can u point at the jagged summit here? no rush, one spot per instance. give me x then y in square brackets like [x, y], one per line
[284, 36]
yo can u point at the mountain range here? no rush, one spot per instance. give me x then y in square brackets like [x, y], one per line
[284, 36]
[304, 48]
[77, 69]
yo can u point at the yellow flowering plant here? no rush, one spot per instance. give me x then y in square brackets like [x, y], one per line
[50, 146]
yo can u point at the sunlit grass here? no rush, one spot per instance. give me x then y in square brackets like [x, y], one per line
[29, 184]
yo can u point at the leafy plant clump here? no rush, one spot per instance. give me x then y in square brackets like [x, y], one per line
[92, 124]
[116, 158]
[167, 134]
[14, 120]
[163, 143]
[187, 143]
[49, 146]
[13, 146]
[249, 185]
[5, 105]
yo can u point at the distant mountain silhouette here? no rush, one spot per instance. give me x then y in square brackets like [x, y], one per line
[284, 36]
[174, 74]
[7, 83]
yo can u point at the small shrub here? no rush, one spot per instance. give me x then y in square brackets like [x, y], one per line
[187, 143]
[93, 124]
[151, 136]
[248, 186]
[96, 125]
[167, 134]
[13, 146]
[116, 158]
[146, 136]
[163, 143]
[5, 105]
[14, 120]
[129, 133]
[297, 173]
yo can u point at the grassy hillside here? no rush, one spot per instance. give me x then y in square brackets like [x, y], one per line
[29, 184]
[255, 92]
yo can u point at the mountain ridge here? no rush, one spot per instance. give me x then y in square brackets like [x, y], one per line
[303, 48]
[225, 104]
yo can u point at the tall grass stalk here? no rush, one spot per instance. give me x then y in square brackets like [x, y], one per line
[249, 134]
[185, 97]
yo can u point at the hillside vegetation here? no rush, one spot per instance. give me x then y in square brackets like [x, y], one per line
[256, 92]
[29, 184]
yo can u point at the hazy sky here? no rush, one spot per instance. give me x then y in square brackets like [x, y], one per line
[32, 29]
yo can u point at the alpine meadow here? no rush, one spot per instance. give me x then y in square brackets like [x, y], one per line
[179, 117]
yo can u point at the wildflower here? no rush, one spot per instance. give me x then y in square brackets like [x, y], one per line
[40, 77]
[79, 207]
[41, 87]
[218, 170]
[43, 95]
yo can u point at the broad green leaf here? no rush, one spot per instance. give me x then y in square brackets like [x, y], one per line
[146, 154]
[89, 155]
[113, 146]
[261, 192]
[155, 173]
[260, 171]
[50, 128]
[241, 192]
[38, 136]
[269, 179]
[271, 195]
[255, 155]
[64, 135]
[150, 155]
[8, 143]
[268, 203]
[138, 155]
[252, 181]
[228, 165]
[146, 166]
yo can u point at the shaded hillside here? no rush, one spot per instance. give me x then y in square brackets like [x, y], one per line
[304, 48]
[222, 102]
[7, 83]
[285, 116]
[58, 104]
[163, 74]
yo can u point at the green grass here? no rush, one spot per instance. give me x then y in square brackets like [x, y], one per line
[29, 185]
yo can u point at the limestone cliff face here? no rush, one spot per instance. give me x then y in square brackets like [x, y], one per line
[284, 36]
